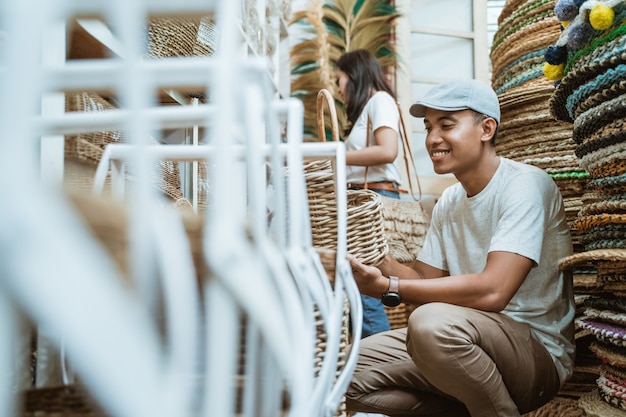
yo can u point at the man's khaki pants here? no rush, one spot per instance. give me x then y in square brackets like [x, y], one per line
[453, 361]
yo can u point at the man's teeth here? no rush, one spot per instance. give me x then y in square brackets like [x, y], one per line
[440, 153]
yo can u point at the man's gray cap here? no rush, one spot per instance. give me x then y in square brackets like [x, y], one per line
[454, 95]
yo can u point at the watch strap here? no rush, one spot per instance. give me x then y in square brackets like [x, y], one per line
[394, 284]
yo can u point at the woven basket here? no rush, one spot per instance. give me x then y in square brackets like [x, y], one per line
[612, 392]
[612, 271]
[61, 401]
[88, 147]
[605, 86]
[613, 166]
[78, 177]
[515, 15]
[558, 407]
[84, 151]
[398, 316]
[595, 160]
[613, 186]
[325, 97]
[365, 238]
[596, 118]
[609, 354]
[613, 317]
[366, 234]
[405, 228]
[604, 332]
[538, 89]
[511, 8]
[523, 70]
[181, 37]
[533, 37]
[594, 406]
[593, 256]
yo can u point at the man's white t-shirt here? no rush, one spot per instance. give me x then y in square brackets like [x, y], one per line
[519, 211]
[382, 110]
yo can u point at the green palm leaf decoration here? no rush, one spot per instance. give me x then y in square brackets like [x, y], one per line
[328, 29]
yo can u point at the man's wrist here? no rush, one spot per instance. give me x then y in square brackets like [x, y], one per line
[394, 284]
[391, 297]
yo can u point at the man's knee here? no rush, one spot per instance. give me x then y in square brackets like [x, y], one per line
[431, 327]
[428, 320]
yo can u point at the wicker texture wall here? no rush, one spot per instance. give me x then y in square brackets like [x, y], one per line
[591, 95]
[530, 133]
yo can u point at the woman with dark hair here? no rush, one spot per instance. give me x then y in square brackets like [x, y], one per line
[372, 113]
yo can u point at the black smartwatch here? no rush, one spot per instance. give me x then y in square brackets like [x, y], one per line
[392, 297]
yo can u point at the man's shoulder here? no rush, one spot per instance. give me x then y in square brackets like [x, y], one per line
[520, 171]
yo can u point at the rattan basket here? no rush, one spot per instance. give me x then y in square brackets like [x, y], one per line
[181, 36]
[84, 151]
[59, 401]
[405, 229]
[366, 234]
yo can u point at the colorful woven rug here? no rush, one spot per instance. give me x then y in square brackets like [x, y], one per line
[604, 332]
[594, 406]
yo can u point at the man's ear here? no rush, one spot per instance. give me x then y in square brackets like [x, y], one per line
[489, 128]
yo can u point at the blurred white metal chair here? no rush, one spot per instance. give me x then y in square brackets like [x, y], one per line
[82, 295]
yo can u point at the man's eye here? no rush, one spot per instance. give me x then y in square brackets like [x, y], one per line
[446, 127]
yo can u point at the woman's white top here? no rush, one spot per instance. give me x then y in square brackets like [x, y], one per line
[382, 110]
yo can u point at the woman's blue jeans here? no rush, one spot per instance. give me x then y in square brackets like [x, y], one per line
[375, 318]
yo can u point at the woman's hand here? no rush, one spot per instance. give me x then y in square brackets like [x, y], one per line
[368, 278]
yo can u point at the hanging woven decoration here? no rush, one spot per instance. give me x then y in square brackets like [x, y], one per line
[327, 29]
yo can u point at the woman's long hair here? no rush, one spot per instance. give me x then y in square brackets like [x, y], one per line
[365, 74]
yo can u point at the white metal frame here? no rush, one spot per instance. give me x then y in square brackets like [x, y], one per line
[82, 297]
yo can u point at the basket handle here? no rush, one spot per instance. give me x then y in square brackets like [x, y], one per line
[325, 95]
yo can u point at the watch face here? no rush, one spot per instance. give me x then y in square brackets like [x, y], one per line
[391, 299]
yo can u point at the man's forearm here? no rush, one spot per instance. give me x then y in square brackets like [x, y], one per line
[390, 266]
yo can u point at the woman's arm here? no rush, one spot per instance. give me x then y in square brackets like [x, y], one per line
[383, 151]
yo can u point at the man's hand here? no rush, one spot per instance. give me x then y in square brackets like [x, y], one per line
[369, 278]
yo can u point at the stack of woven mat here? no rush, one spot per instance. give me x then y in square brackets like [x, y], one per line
[588, 64]
[604, 318]
[529, 133]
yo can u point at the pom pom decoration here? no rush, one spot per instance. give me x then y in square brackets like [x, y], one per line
[553, 72]
[579, 21]
[555, 55]
[601, 17]
[565, 10]
[579, 34]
